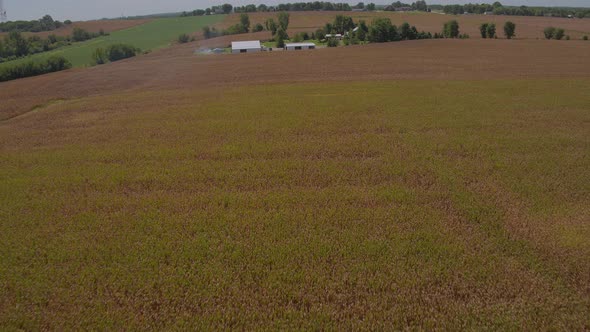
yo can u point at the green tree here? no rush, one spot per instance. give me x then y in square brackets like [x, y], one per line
[420, 5]
[284, 20]
[509, 30]
[483, 30]
[281, 37]
[80, 35]
[245, 21]
[226, 8]
[99, 56]
[549, 32]
[271, 26]
[118, 52]
[451, 29]
[320, 34]
[381, 31]
[20, 45]
[371, 6]
[559, 33]
[258, 27]
[342, 24]
[491, 30]
[333, 42]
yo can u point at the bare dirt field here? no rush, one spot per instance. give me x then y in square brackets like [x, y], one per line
[526, 27]
[178, 67]
[90, 26]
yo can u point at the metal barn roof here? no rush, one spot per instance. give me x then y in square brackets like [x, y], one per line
[299, 44]
[241, 45]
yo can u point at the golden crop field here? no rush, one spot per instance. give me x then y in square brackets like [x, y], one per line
[424, 185]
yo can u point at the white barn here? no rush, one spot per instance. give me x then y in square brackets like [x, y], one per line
[246, 46]
[299, 46]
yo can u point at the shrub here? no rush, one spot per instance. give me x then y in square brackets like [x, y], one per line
[451, 29]
[585, 38]
[333, 42]
[257, 28]
[80, 35]
[567, 37]
[118, 52]
[281, 37]
[491, 30]
[183, 38]
[67, 22]
[549, 32]
[236, 29]
[34, 68]
[99, 56]
[559, 33]
[509, 30]
[483, 30]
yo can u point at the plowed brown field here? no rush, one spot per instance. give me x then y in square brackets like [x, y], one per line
[526, 27]
[178, 67]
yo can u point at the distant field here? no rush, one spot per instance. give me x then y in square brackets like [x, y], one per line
[91, 26]
[149, 36]
[350, 205]
[526, 27]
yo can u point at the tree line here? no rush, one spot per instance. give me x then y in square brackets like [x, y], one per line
[34, 68]
[418, 6]
[498, 9]
[286, 7]
[46, 23]
[15, 45]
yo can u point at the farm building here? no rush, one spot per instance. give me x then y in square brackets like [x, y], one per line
[246, 46]
[337, 36]
[299, 46]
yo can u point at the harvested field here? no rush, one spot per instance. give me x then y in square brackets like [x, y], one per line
[178, 67]
[527, 27]
[91, 26]
[420, 185]
[389, 205]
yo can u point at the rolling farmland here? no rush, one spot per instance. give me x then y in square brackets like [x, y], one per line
[430, 184]
[152, 35]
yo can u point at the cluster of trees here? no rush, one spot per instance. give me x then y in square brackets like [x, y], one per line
[498, 9]
[279, 28]
[114, 53]
[419, 5]
[382, 30]
[487, 30]
[554, 33]
[33, 68]
[286, 7]
[80, 35]
[46, 23]
[223, 9]
[15, 45]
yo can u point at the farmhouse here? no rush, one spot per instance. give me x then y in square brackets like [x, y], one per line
[299, 46]
[246, 46]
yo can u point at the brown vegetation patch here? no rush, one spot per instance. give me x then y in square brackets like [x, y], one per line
[179, 67]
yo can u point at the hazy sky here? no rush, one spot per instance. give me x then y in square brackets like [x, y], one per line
[94, 9]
